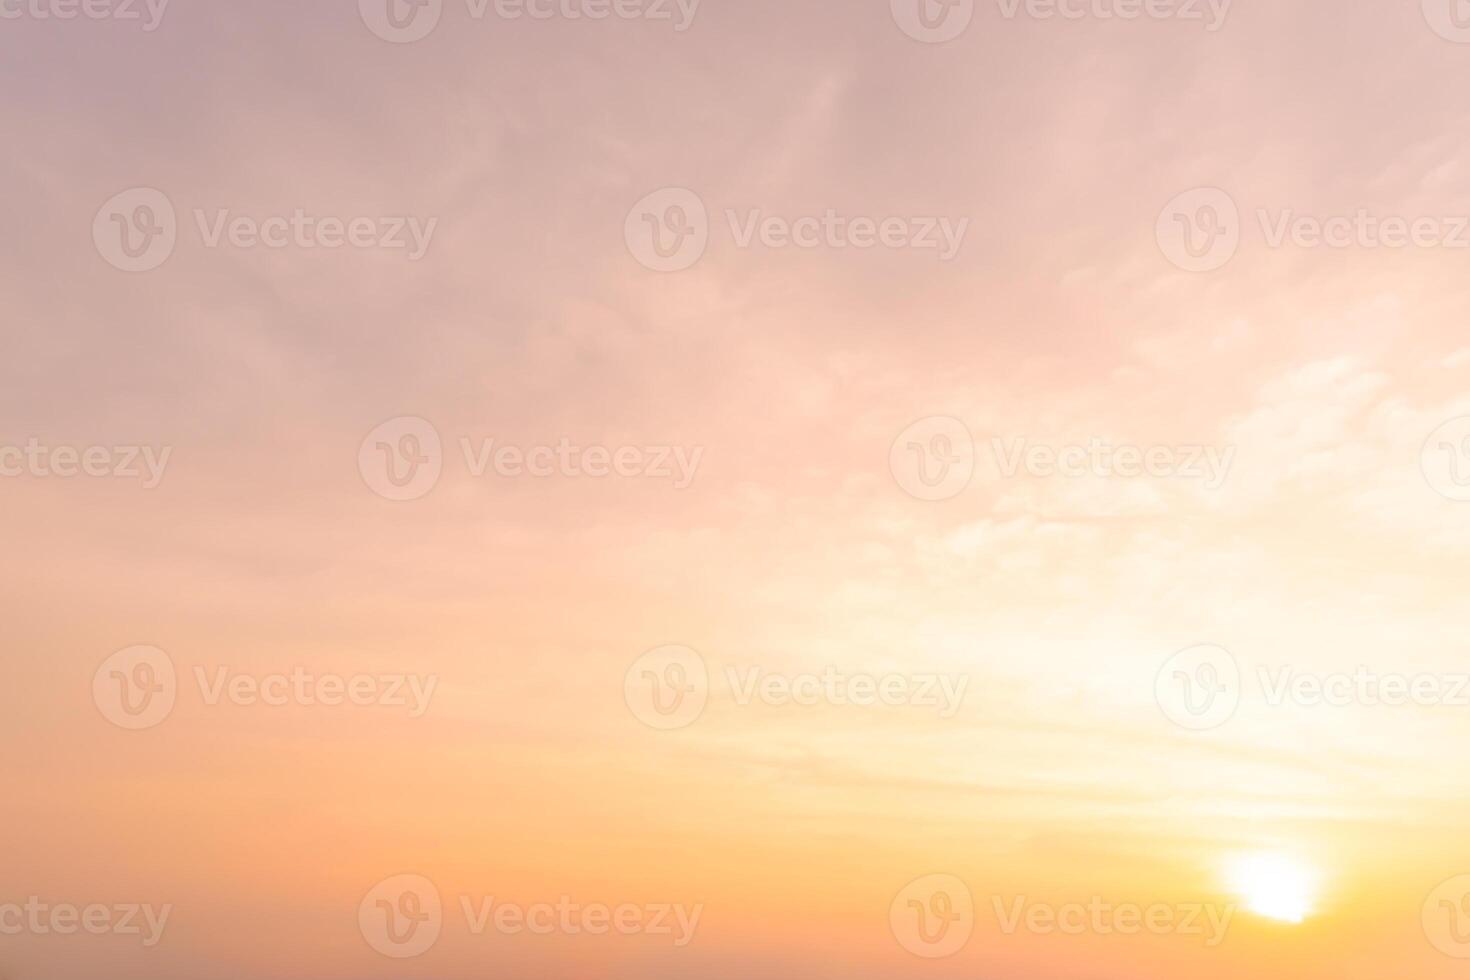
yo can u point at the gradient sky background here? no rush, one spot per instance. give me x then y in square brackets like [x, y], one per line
[529, 321]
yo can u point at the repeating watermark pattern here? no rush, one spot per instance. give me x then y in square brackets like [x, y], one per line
[407, 21]
[1202, 687]
[403, 459]
[1446, 917]
[1210, 13]
[939, 21]
[35, 459]
[147, 14]
[36, 917]
[669, 230]
[942, 693]
[1445, 459]
[138, 231]
[1198, 688]
[1101, 917]
[403, 917]
[669, 687]
[1201, 230]
[137, 688]
[933, 917]
[1450, 19]
[1101, 458]
[934, 459]
[1362, 687]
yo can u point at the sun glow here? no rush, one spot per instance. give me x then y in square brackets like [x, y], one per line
[1274, 885]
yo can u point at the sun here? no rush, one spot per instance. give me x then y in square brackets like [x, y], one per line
[1275, 886]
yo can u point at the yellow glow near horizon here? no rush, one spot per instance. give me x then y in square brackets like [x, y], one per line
[1275, 886]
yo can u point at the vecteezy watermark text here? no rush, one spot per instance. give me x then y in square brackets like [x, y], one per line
[39, 918]
[147, 13]
[403, 459]
[1202, 687]
[669, 230]
[138, 687]
[403, 916]
[669, 687]
[407, 21]
[137, 230]
[940, 21]
[40, 461]
[935, 459]
[1201, 230]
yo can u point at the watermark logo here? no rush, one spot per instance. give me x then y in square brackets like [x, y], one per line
[136, 688]
[402, 459]
[1447, 917]
[37, 460]
[933, 917]
[1101, 917]
[401, 21]
[668, 230]
[1450, 19]
[934, 458]
[1445, 459]
[933, 21]
[1106, 460]
[1199, 230]
[149, 13]
[401, 917]
[1199, 688]
[1211, 13]
[667, 688]
[41, 918]
[136, 230]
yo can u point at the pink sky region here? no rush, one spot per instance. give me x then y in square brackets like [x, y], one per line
[618, 489]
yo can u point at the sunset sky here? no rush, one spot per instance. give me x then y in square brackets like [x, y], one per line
[839, 462]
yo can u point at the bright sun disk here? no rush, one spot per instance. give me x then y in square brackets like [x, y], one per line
[1274, 885]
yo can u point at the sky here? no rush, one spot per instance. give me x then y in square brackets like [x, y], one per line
[857, 489]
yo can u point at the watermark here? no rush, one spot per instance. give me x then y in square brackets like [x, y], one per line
[1199, 688]
[1210, 13]
[137, 688]
[941, 21]
[403, 459]
[944, 693]
[669, 687]
[1100, 917]
[404, 916]
[1450, 19]
[1201, 230]
[146, 13]
[669, 230]
[1101, 458]
[39, 918]
[138, 230]
[933, 917]
[934, 459]
[1446, 918]
[40, 461]
[407, 21]
[1363, 687]
[1445, 460]
[1202, 687]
